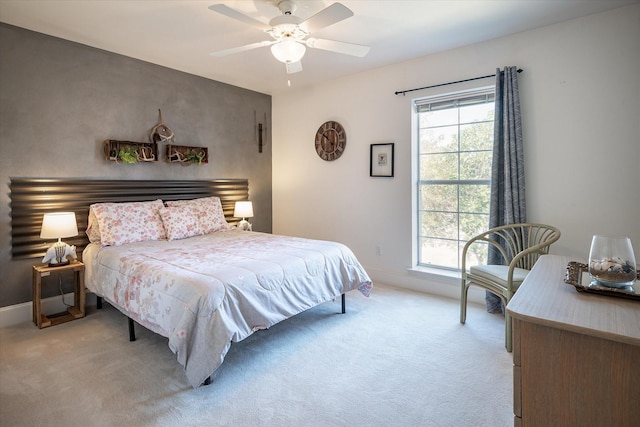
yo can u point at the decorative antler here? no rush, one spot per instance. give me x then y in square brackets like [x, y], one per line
[161, 132]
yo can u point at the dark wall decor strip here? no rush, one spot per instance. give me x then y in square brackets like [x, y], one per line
[31, 198]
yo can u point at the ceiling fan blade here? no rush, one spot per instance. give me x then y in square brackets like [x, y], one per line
[244, 48]
[327, 16]
[339, 47]
[293, 67]
[238, 16]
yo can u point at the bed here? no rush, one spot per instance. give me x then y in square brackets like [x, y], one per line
[179, 269]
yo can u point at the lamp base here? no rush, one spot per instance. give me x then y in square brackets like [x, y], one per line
[58, 254]
[60, 264]
[244, 225]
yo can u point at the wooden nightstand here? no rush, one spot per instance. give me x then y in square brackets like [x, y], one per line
[75, 312]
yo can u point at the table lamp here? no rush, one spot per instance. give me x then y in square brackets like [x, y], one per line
[56, 226]
[243, 210]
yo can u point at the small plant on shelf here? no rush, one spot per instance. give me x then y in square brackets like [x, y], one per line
[194, 156]
[128, 155]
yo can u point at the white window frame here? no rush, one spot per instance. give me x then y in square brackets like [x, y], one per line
[440, 272]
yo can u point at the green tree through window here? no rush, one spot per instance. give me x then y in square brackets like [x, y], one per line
[455, 142]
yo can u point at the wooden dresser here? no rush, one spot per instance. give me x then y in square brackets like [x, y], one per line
[576, 356]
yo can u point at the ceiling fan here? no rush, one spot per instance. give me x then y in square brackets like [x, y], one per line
[290, 35]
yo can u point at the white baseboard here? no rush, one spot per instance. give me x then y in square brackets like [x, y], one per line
[427, 283]
[20, 313]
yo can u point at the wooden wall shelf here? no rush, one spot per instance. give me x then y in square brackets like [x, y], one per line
[142, 152]
[187, 154]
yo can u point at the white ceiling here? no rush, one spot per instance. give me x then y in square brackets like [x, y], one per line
[181, 34]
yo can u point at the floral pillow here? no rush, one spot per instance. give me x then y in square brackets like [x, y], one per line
[121, 223]
[180, 222]
[209, 212]
[93, 230]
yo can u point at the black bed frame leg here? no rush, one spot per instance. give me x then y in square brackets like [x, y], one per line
[132, 331]
[344, 308]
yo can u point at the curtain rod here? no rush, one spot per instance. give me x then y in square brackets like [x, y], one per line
[402, 92]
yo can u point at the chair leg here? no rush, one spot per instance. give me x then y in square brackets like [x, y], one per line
[463, 302]
[507, 331]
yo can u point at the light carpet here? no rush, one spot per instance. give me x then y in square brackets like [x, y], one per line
[397, 358]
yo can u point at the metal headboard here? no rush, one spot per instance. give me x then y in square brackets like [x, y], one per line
[31, 198]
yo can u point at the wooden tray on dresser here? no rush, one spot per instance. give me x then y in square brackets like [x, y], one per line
[575, 277]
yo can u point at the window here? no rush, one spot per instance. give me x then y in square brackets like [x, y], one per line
[454, 149]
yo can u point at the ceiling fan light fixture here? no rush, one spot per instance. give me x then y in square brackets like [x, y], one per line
[290, 33]
[283, 30]
[288, 51]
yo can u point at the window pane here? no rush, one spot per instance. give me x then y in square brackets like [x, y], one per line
[439, 252]
[477, 136]
[439, 140]
[472, 225]
[439, 118]
[477, 254]
[439, 197]
[439, 224]
[475, 198]
[475, 165]
[439, 166]
[477, 113]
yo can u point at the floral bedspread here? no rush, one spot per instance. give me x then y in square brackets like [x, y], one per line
[207, 291]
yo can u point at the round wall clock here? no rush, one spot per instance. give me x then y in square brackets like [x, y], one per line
[331, 140]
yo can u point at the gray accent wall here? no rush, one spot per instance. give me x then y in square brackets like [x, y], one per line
[60, 100]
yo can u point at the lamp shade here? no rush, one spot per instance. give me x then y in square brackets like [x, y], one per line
[288, 51]
[59, 224]
[243, 210]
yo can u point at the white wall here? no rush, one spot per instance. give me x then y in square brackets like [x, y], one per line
[580, 94]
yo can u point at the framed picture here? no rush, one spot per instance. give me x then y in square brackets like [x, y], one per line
[381, 160]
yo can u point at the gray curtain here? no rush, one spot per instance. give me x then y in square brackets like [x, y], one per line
[507, 171]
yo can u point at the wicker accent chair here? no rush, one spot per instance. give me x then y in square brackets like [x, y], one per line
[520, 246]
